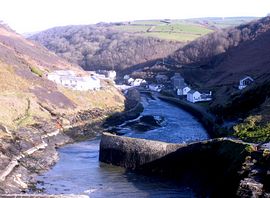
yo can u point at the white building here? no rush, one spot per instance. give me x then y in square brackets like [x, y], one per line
[68, 79]
[154, 87]
[56, 75]
[130, 81]
[244, 82]
[183, 90]
[195, 96]
[126, 77]
[111, 74]
[138, 82]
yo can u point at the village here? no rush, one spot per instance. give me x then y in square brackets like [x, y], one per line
[176, 83]
[179, 87]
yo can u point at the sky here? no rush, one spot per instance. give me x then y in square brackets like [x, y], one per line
[35, 15]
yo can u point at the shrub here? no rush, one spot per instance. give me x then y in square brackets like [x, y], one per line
[36, 71]
[251, 131]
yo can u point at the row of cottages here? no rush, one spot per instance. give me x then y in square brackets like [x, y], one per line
[137, 82]
[68, 79]
[134, 82]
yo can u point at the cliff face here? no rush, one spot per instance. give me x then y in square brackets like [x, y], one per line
[34, 111]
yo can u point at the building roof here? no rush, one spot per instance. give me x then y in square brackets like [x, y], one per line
[193, 91]
[246, 77]
[63, 72]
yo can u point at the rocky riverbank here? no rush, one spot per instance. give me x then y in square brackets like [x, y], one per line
[29, 151]
[133, 109]
[219, 167]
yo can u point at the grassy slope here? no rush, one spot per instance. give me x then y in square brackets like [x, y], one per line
[24, 89]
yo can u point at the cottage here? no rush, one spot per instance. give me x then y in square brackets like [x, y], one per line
[130, 81]
[138, 82]
[126, 77]
[195, 96]
[177, 81]
[111, 74]
[68, 79]
[244, 82]
[56, 75]
[155, 87]
[183, 90]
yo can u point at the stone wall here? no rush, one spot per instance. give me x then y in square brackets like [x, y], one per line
[132, 153]
[215, 167]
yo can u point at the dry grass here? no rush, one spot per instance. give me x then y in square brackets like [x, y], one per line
[10, 81]
[103, 99]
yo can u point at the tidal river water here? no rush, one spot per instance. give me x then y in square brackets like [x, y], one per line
[79, 171]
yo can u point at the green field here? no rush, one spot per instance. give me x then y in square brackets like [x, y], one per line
[173, 36]
[180, 29]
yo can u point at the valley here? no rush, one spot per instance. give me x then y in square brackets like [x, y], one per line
[90, 82]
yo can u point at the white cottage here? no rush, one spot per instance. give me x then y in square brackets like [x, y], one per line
[155, 87]
[193, 96]
[130, 81]
[111, 74]
[56, 75]
[137, 82]
[244, 82]
[183, 90]
[68, 79]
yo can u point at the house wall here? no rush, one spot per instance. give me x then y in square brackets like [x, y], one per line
[76, 83]
[186, 90]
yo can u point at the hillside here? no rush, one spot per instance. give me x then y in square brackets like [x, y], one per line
[219, 60]
[103, 47]
[34, 111]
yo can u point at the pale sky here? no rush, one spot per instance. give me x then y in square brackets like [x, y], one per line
[35, 15]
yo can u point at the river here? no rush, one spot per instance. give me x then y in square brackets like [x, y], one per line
[79, 171]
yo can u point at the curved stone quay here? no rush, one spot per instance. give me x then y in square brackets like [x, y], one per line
[218, 166]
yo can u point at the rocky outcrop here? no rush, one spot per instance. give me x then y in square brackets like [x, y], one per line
[216, 167]
[133, 109]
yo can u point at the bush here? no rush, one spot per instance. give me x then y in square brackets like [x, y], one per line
[36, 71]
[251, 131]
